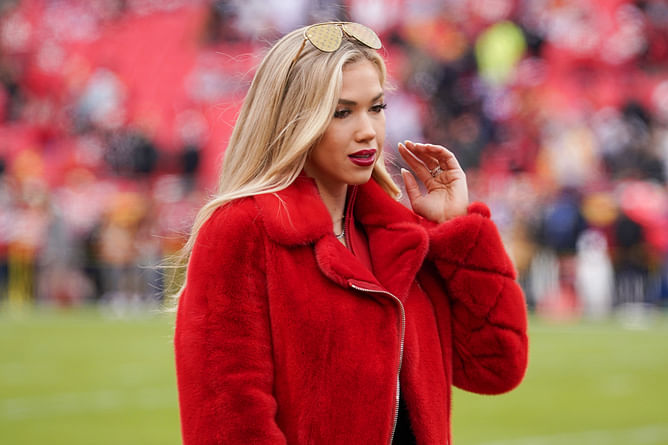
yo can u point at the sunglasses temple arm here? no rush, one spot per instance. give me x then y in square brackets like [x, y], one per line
[299, 53]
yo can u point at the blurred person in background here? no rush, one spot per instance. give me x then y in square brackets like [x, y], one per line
[594, 275]
[30, 215]
[318, 309]
[559, 229]
[631, 260]
[6, 198]
[120, 251]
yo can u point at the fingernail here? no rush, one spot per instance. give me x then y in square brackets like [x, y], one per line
[403, 170]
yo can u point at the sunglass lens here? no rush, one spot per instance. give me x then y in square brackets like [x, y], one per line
[363, 34]
[326, 37]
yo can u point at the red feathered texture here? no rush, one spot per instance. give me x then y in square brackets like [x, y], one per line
[288, 227]
[226, 381]
[406, 247]
[471, 241]
[489, 329]
[426, 377]
[283, 336]
[480, 209]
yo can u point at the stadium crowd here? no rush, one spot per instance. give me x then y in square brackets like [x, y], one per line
[113, 116]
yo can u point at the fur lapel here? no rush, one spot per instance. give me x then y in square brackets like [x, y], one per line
[398, 243]
[295, 216]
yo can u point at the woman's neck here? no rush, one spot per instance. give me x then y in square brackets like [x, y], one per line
[334, 198]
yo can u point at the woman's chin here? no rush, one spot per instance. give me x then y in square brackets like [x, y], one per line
[360, 178]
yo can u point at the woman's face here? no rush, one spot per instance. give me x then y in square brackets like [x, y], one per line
[353, 141]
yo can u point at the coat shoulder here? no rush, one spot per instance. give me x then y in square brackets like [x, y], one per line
[236, 219]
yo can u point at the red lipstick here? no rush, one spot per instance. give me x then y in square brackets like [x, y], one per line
[363, 158]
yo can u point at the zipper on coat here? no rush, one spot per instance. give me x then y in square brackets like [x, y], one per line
[402, 331]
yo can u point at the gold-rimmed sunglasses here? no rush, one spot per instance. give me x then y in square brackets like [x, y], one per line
[328, 36]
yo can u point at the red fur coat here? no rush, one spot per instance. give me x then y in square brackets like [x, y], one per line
[282, 336]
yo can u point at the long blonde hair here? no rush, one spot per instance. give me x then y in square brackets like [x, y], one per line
[286, 110]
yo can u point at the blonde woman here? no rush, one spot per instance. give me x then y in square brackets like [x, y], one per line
[317, 309]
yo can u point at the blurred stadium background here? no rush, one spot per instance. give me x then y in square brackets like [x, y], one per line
[113, 118]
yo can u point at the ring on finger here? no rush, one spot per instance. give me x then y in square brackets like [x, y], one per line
[436, 171]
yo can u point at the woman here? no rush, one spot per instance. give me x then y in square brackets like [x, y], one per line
[317, 309]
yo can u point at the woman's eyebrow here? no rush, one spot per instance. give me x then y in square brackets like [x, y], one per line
[352, 102]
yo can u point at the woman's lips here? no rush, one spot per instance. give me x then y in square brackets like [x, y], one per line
[363, 158]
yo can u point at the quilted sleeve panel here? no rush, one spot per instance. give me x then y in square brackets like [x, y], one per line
[222, 341]
[489, 339]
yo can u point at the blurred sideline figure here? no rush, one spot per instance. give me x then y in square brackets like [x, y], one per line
[594, 280]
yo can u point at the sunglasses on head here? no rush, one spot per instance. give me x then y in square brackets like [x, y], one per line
[328, 36]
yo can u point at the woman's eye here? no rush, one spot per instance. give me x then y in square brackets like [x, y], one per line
[341, 113]
[379, 107]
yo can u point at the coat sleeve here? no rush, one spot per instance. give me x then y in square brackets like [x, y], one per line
[222, 340]
[487, 306]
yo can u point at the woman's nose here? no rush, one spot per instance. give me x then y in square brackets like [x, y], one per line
[365, 129]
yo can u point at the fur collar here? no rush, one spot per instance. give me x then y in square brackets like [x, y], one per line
[297, 216]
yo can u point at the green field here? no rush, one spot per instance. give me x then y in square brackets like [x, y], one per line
[80, 377]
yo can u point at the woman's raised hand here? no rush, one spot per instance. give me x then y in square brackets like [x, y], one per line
[447, 193]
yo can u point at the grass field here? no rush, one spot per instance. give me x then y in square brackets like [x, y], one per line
[79, 377]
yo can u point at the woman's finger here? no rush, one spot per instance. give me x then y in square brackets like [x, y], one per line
[446, 159]
[412, 189]
[423, 153]
[415, 163]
